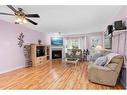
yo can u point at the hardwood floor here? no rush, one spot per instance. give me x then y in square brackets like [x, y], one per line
[52, 75]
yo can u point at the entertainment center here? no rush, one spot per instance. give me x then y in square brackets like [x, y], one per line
[40, 54]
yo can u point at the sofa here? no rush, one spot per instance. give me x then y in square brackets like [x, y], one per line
[74, 53]
[108, 74]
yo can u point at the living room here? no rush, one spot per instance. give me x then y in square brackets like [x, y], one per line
[88, 42]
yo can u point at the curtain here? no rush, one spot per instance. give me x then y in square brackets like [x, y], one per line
[119, 43]
[121, 46]
[115, 43]
[84, 43]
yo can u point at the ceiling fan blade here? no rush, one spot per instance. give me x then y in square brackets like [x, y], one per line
[7, 14]
[12, 8]
[29, 20]
[32, 15]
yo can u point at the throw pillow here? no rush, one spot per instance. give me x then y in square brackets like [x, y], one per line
[101, 61]
[77, 53]
[69, 53]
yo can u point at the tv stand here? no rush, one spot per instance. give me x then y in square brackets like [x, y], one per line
[43, 57]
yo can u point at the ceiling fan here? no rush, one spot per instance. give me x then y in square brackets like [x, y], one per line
[21, 17]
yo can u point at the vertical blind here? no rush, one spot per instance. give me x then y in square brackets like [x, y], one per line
[119, 43]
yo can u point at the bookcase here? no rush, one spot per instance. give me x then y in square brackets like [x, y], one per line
[27, 54]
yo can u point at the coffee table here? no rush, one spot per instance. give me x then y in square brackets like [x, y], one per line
[74, 61]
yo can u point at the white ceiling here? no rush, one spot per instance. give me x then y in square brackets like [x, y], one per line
[66, 19]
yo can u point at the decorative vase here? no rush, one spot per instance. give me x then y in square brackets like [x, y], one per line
[39, 42]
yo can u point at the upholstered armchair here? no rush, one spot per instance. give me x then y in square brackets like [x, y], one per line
[107, 74]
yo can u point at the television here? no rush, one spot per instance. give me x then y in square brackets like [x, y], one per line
[119, 25]
[57, 41]
[40, 51]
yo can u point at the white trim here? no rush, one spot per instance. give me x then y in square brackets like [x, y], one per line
[5, 71]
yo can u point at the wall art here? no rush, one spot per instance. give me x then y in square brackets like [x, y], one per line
[21, 41]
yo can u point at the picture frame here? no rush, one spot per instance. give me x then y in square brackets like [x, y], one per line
[94, 41]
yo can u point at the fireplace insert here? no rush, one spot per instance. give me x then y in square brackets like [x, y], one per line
[56, 54]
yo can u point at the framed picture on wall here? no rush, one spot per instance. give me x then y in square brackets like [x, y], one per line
[94, 41]
[107, 40]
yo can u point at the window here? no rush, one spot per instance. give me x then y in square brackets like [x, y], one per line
[73, 43]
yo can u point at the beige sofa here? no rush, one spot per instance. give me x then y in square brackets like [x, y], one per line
[108, 74]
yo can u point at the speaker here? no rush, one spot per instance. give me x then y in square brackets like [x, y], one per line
[110, 29]
[119, 25]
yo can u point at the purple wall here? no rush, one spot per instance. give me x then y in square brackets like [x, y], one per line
[11, 55]
[122, 15]
[87, 35]
[96, 34]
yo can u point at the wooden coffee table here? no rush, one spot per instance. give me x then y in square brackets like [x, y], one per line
[74, 61]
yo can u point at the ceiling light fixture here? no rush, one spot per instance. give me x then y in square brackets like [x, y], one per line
[20, 19]
[24, 21]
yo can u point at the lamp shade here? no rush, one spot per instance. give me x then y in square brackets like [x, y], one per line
[98, 48]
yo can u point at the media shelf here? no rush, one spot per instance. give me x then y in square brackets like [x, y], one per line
[39, 54]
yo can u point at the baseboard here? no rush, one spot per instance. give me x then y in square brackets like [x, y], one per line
[12, 69]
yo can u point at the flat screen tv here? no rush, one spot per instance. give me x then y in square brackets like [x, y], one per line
[40, 51]
[56, 41]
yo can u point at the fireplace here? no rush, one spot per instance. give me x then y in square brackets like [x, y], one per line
[56, 54]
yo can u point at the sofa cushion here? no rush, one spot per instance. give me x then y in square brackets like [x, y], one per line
[116, 59]
[101, 61]
[112, 65]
